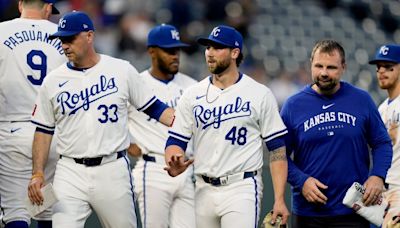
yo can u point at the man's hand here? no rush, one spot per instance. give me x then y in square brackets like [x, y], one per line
[311, 191]
[134, 150]
[177, 164]
[34, 192]
[373, 190]
[280, 209]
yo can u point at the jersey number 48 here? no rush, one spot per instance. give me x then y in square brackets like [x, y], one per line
[237, 135]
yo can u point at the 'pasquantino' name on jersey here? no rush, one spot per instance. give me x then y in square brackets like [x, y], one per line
[329, 117]
[219, 114]
[75, 101]
[32, 35]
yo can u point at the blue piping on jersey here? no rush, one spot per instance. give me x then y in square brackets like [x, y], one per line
[156, 109]
[276, 134]
[256, 204]
[275, 143]
[69, 65]
[165, 81]
[151, 101]
[42, 125]
[144, 196]
[177, 142]
[39, 129]
[131, 183]
[176, 135]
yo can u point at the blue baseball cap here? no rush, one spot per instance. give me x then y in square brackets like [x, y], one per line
[223, 35]
[165, 36]
[54, 10]
[73, 23]
[389, 53]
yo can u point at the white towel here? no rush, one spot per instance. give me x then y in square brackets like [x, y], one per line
[373, 213]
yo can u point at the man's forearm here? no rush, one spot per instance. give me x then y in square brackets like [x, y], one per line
[40, 151]
[167, 117]
[279, 170]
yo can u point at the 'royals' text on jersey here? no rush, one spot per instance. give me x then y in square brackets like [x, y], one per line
[26, 57]
[84, 103]
[228, 126]
[148, 133]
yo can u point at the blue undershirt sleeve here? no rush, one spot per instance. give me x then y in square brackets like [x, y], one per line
[156, 109]
[275, 143]
[174, 141]
[39, 129]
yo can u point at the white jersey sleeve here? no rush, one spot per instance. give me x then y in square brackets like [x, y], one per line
[26, 57]
[140, 93]
[43, 111]
[271, 122]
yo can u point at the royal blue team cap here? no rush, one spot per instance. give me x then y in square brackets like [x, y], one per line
[54, 10]
[164, 36]
[389, 53]
[73, 23]
[225, 36]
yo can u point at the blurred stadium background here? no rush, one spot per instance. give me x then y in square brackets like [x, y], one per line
[279, 36]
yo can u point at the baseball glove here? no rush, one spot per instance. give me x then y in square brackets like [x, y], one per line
[393, 225]
[267, 221]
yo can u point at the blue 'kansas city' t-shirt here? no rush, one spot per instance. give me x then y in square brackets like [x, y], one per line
[329, 137]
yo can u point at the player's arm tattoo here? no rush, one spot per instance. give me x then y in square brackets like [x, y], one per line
[279, 154]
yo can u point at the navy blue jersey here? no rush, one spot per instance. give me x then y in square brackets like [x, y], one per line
[330, 137]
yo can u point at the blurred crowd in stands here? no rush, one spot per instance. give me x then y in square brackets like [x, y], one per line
[279, 34]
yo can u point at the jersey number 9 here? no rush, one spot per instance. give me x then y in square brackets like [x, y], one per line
[41, 65]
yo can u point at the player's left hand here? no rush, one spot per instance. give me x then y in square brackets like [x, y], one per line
[281, 210]
[373, 190]
[177, 164]
[34, 192]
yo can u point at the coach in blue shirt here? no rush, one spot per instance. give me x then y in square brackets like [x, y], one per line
[332, 125]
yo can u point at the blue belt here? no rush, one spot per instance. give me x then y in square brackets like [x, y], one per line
[216, 181]
[97, 160]
[148, 158]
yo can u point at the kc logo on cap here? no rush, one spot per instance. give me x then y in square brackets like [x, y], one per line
[164, 36]
[73, 23]
[384, 50]
[225, 36]
[388, 53]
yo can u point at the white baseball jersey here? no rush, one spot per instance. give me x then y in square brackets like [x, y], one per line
[148, 133]
[164, 201]
[89, 107]
[227, 126]
[26, 56]
[390, 113]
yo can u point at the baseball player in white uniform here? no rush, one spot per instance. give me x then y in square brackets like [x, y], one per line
[387, 61]
[164, 201]
[26, 56]
[228, 115]
[85, 102]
